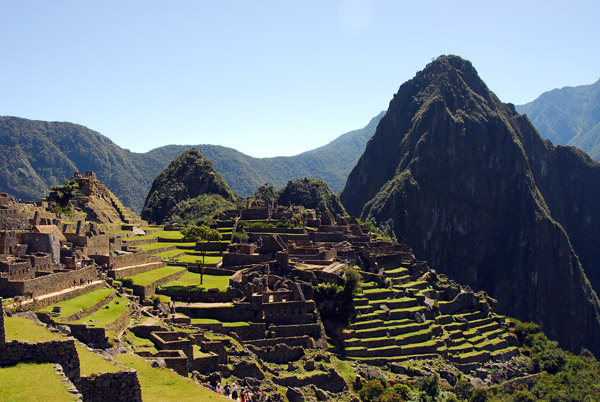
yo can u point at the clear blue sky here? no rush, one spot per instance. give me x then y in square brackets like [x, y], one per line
[271, 77]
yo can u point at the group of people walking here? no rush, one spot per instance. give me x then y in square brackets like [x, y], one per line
[241, 394]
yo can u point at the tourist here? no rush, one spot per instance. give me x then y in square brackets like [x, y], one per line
[234, 392]
[227, 389]
[219, 389]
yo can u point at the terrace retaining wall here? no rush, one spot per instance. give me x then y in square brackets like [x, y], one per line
[144, 291]
[119, 386]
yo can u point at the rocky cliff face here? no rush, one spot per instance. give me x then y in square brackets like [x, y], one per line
[188, 176]
[474, 189]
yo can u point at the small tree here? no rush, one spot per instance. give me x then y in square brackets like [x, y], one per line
[201, 233]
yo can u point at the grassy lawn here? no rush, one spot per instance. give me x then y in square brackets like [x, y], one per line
[163, 385]
[198, 352]
[209, 259]
[92, 363]
[23, 329]
[168, 234]
[154, 246]
[225, 324]
[105, 316]
[168, 253]
[139, 343]
[32, 382]
[149, 277]
[80, 303]
[191, 279]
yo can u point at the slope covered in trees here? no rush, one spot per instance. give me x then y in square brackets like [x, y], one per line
[35, 155]
[568, 116]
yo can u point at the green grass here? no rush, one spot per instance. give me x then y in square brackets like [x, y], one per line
[32, 382]
[225, 324]
[80, 303]
[159, 385]
[146, 278]
[168, 253]
[139, 343]
[198, 352]
[105, 316]
[168, 234]
[154, 246]
[23, 329]
[194, 258]
[92, 363]
[191, 279]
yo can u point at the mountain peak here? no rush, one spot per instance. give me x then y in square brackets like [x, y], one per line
[188, 176]
[474, 189]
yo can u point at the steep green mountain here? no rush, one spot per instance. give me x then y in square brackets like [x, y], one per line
[311, 193]
[35, 155]
[472, 187]
[568, 116]
[173, 191]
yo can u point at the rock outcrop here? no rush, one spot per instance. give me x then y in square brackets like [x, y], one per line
[472, 187]
[190, 175]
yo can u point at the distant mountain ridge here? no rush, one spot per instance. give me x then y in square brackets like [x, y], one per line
[568, 116]
[473, 188]
[35, 155]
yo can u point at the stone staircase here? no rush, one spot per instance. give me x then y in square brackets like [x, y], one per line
[127, 215]
[404, 321]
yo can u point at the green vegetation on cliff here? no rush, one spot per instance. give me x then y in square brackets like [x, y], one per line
[568, 116]
[311, 193]
[35, 155]
[174, 192]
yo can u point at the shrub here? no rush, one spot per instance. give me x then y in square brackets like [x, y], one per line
[389, 395]
[239, 237]
[127, 282]
[463, 388]
[479, 395]
[371, 391]
[430, 385]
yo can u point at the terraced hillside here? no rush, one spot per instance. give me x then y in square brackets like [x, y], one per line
[418, 314]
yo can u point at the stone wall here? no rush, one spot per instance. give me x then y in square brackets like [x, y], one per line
[335, 237]
[195, 296]
[90, 335]
[62, 352]
[211, 246]
[313, 330]
[119, 386]
[176, 360]
[246, 332]
[118, 325]
[278, 354]
[235, 259]
[145, 291]
[125, 260]
[167, 340]
[46, 284]
[42, 242]
[31, 305]
[463, 301]
[136, 269]
[89, 310]
[2, 331]
[330, 381]
[205, 364]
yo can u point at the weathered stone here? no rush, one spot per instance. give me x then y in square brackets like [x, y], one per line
[294, 394]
